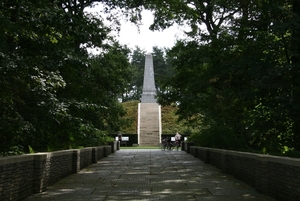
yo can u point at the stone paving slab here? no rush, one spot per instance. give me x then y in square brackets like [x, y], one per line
[151, 174]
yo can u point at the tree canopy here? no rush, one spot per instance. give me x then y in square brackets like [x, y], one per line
[53, 94]
[238, 77]
[162, 71]
[235, 77]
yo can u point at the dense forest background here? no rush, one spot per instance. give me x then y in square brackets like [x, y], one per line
[234, 78]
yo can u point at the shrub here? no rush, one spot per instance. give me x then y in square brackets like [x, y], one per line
[220, 137]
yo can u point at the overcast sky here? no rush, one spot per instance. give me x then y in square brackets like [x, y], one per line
[144, 38]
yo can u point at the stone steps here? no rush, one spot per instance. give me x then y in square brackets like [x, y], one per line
[149, 124]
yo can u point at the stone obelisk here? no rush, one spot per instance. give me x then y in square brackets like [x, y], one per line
[149, 114]
[149, 90]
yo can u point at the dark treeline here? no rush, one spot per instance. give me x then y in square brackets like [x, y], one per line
[54, 95]
[162, 71]
[235, 77]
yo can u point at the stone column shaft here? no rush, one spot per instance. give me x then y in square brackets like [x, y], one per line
[149, 90]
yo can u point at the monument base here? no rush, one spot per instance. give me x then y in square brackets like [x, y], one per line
[149, 124]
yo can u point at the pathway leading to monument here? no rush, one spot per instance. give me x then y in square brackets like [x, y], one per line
[149, 175]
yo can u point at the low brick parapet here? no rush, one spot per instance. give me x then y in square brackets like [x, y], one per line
[24, 175]
[16, 181]
[276, 176]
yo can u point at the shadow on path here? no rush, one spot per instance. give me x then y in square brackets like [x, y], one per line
[149, 174]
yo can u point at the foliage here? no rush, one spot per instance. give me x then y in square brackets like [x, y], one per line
[162, 68]
[237, 72]
[218, 137]
[131, 116]
[162, 71]
[238, 76]
[170, 123]
[134, 89]
[53, 94]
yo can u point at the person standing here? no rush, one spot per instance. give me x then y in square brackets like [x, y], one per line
[178, 138]
[120, 137]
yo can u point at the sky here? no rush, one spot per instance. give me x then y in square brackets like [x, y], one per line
[144, 38]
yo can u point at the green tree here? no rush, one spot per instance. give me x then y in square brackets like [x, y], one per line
[236, 74]
[30, 56]
[49, 97]
[162, 69]
[135, 88]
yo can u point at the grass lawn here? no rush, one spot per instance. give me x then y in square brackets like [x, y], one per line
[139, 147]
[144, 147]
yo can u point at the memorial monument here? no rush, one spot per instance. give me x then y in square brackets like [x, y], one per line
[149, 112]
[149, 90]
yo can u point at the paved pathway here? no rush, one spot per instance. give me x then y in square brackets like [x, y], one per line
[149, 175]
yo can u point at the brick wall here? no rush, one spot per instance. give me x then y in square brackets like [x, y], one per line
[241, 167]
[86, 157]
[16, 180]
[100, 154]
[275, 176]
[107, 150]
[22, 176]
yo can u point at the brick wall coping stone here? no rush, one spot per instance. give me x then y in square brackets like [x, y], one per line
[15, 159]
[28, 157]
[264, 157]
